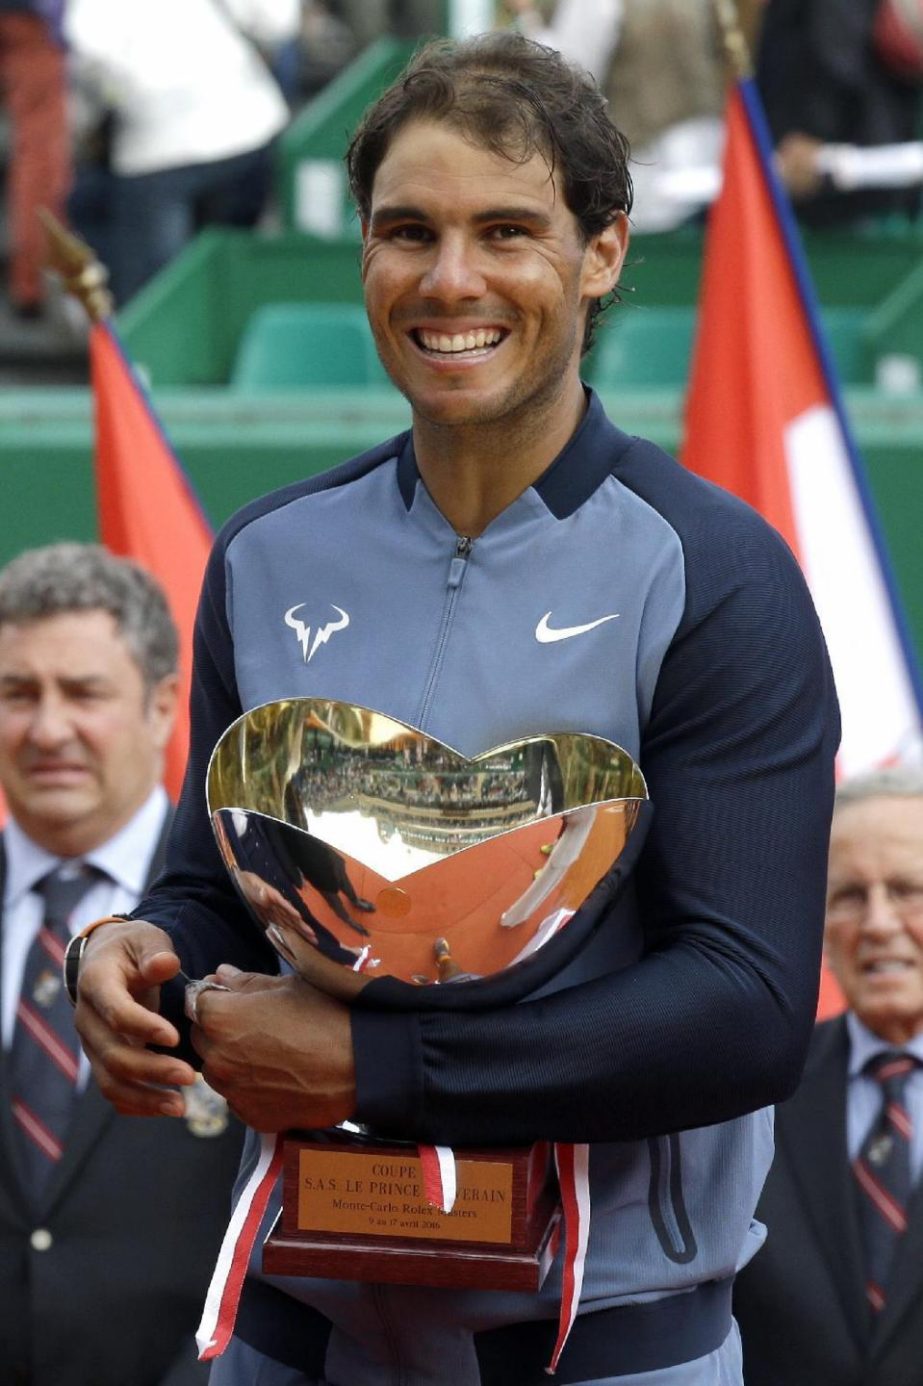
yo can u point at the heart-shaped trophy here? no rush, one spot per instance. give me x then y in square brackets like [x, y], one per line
[375, 856]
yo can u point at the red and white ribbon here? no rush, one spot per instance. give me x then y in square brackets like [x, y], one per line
[573, 1164]
[439, 1186]
[437, 1163]
[227, 1282]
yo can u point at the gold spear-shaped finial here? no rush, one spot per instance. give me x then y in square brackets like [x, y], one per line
[84, 276]
[735, 44]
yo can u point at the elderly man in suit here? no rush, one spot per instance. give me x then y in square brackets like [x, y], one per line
[108, 1225]
[835, 1298]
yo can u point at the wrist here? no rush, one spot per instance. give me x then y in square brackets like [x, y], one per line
[73, 953]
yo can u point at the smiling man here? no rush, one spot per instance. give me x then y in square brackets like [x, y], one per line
[837, 1294]
[516, 565]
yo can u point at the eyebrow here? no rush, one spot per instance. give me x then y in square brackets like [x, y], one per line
[534, 216]
[68, 682]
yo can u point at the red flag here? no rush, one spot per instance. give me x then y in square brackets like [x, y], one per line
[765, 419]
[147, 508]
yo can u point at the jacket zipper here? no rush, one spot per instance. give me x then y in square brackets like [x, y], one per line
[457, 569]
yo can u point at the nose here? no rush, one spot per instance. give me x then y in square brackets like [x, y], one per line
[49, 726]
[452, 274]
[881, 916]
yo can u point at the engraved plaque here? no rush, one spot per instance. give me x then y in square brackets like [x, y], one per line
[383, 1195]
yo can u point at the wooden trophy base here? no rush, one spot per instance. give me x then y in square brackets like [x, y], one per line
[356, 1210]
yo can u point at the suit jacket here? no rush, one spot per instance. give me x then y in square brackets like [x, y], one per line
[103, 1284]
[801, 1302]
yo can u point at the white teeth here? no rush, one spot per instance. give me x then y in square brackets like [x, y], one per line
[460, 341]
[888, 965]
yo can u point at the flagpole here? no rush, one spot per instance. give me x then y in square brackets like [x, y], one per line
[85, 277]
[736, 48]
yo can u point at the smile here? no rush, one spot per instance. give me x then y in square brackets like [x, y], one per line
[887, 965]
[456, 344]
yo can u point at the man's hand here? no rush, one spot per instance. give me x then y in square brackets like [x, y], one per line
[121, 972]
[278, 1050]
[797, 164]
[271, 905]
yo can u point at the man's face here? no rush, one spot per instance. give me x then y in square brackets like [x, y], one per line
[477, 278]
[80, 740]
[874, 932]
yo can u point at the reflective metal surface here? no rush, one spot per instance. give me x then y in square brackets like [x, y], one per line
[358, 840]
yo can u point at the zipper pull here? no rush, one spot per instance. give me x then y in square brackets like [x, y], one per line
[463, 547]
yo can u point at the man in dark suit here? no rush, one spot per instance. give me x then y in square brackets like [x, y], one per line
[835, 1298]
[108, 1225]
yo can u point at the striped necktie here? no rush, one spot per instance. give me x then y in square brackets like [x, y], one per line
[883, 1176]
[44, 1060]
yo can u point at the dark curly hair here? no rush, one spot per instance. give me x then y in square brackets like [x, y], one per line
[514, 98]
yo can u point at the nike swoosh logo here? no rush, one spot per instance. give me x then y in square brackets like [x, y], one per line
[547, 635]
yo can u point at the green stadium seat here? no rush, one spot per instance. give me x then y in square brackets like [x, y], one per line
[653, 346]
[287, 345]
[642, 346]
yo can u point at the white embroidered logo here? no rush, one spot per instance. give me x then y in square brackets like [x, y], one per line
[322, 635]
[546, 635]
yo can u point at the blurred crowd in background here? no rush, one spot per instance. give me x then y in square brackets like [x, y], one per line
[141, 123]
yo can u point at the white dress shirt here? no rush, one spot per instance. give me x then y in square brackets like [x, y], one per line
[125, 858]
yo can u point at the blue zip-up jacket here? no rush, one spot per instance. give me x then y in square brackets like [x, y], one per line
[689, 1012]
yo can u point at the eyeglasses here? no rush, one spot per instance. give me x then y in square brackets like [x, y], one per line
[850, 903]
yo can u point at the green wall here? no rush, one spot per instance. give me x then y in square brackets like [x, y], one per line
[235, 448]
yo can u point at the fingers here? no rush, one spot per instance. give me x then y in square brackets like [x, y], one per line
[121, 973]
[133, 1078]
[232, 979]
[276, 907]
[137, 1087]
[227, 981]
[120, 1013]
[279, 1051]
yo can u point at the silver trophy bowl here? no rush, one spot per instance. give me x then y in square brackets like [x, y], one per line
[375, 855]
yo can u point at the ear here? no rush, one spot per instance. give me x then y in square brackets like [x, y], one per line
[162, 704]
[364, 229]
[604, 256]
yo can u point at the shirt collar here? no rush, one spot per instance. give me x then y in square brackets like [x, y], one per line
[125, 857]
[578, 470]
[864, 1045]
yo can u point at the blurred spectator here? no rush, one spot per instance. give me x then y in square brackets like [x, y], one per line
[585, 31]
[326, 45]
[829, 77]
[661, 63]
[372, 19]
[33, 85]
[809, 167]
[835, 1297]
[193, 109]
[666, 85]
